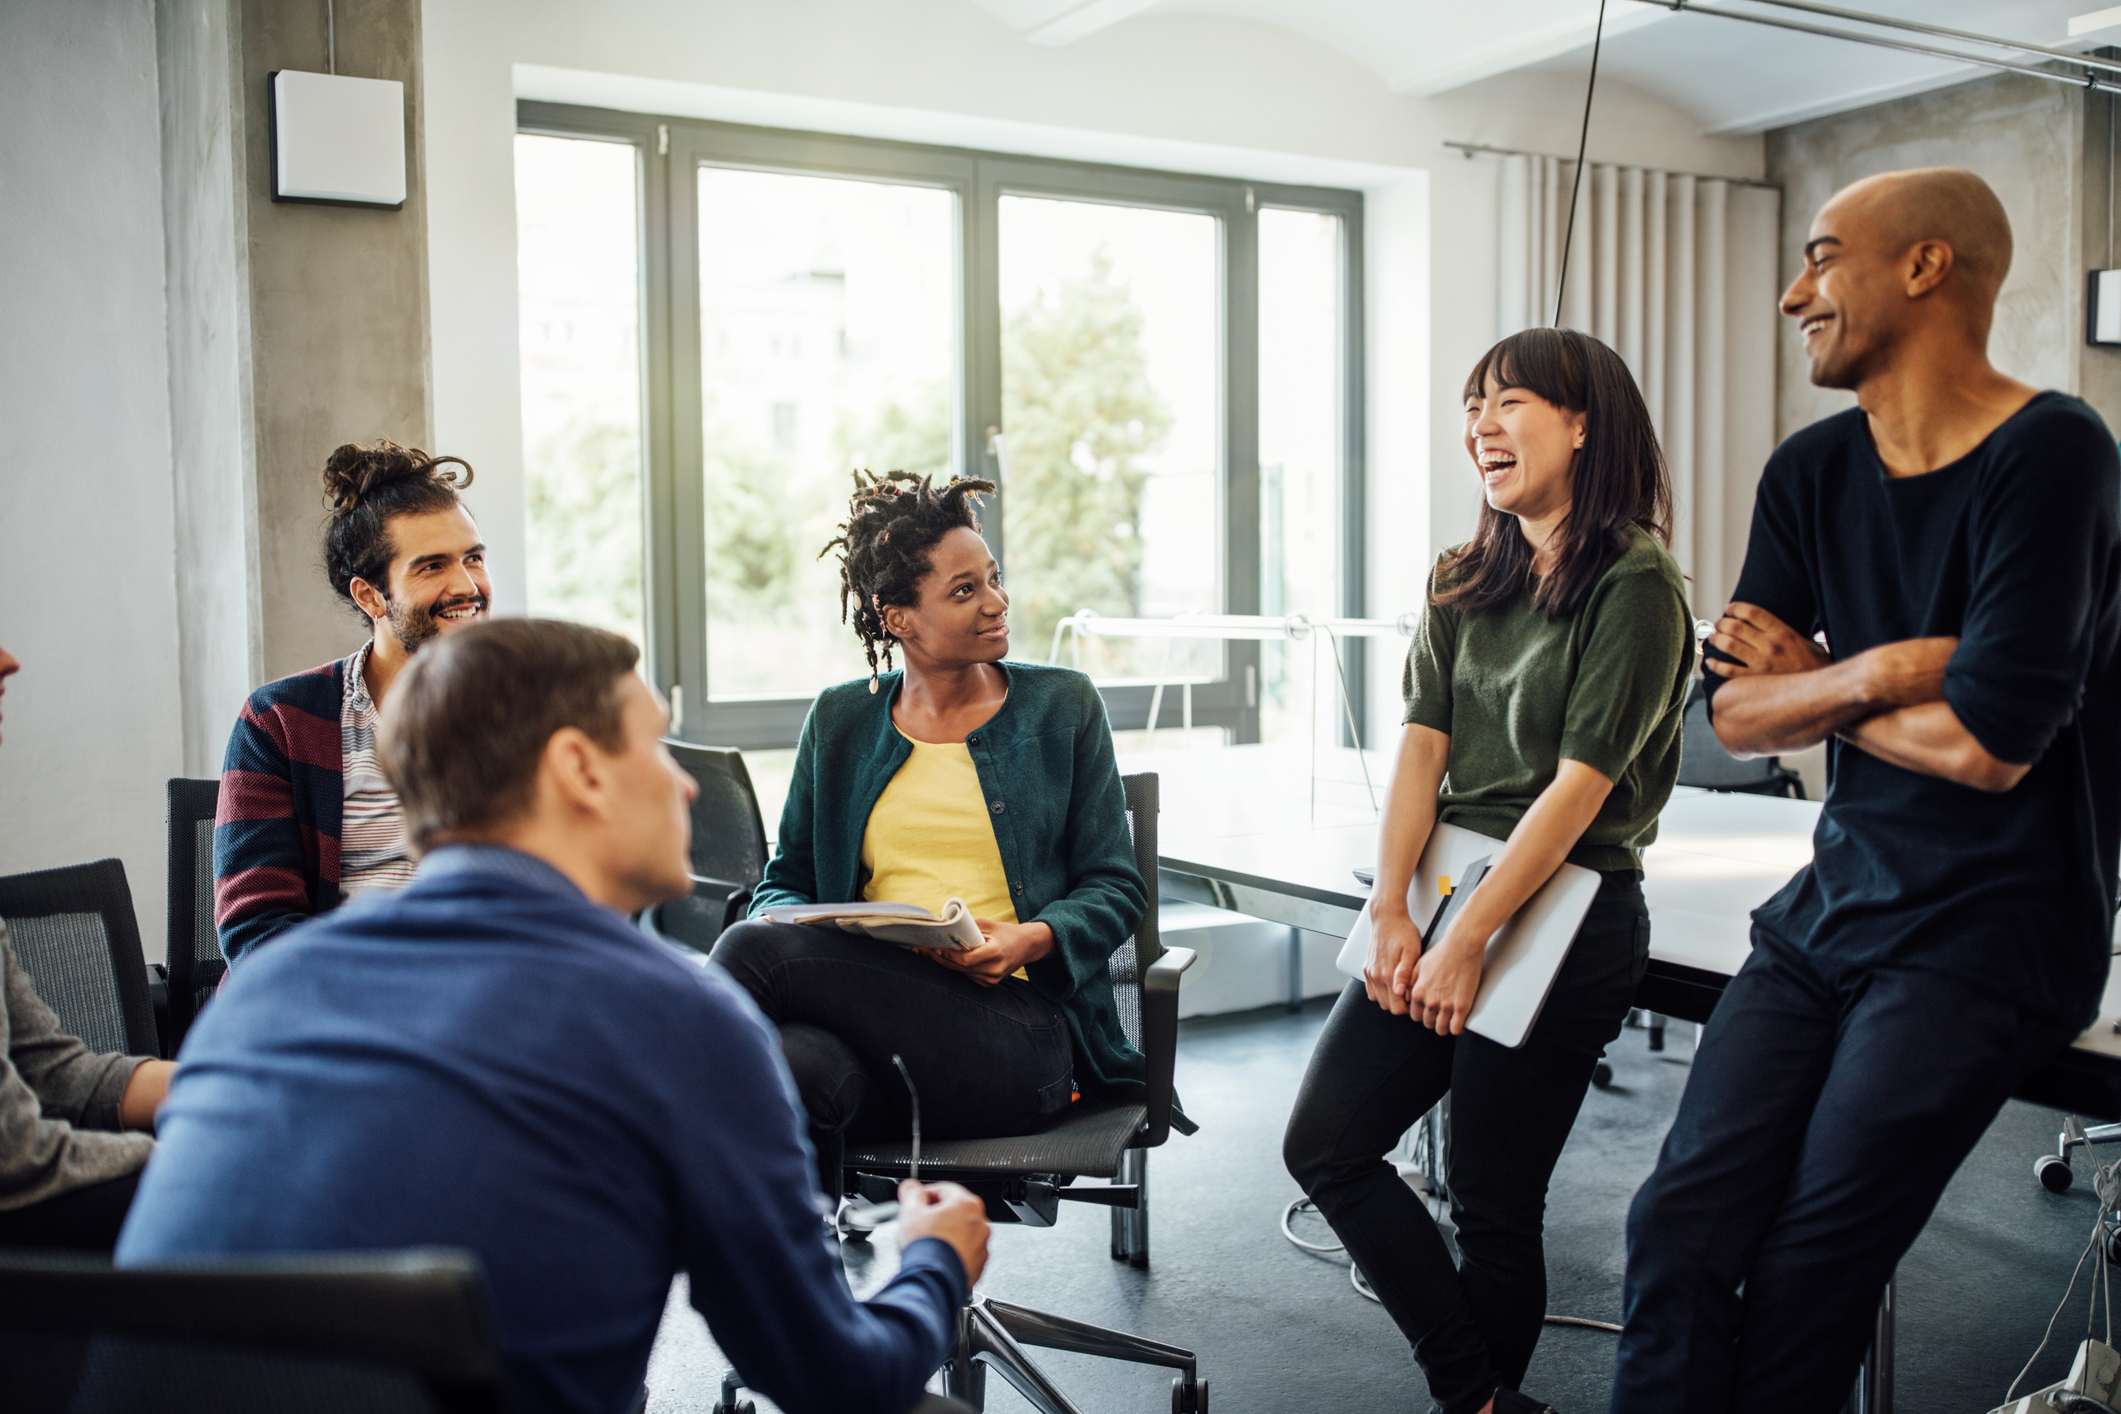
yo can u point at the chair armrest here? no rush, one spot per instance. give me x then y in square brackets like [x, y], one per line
[158, 1001]
[739, 905]
[1160, 1038]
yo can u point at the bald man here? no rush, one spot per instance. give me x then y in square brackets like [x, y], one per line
[1955, 538]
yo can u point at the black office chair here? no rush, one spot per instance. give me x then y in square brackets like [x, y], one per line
[1704, 763]
[1024, 1178]
[75, 931]
[405, 1332]
[195, 964]
[728, 848]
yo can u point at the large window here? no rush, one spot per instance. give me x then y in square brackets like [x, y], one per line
[579, 274]
[1112, 400]
[823, 347]
[1157, 370]
[1303, 460]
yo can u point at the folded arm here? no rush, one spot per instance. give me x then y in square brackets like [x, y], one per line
[1782, 692]
[1931, 739]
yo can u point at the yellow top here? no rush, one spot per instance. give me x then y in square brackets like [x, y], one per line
[929, 838]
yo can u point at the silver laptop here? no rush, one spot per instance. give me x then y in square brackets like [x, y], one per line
[1523, 957]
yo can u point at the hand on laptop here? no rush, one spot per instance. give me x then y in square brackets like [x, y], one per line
[1445, 983]
[1395, 946]
[950, 1212]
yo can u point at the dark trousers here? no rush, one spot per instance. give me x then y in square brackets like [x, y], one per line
[1374, 1075]
[1826, 1111]
[82, 1220]
[986, 1061]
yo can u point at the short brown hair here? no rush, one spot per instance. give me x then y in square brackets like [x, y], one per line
[471, 714]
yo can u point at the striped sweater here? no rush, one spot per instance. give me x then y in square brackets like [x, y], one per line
[277, 825]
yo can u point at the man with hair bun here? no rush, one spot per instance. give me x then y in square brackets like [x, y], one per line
[1955, 539]
[306, 815]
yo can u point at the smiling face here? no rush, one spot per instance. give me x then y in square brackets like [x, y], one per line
[437, 577]
[1523, 448]
[1850, 299]
[962, 612]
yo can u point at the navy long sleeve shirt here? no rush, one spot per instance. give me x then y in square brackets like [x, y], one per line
[488, 1060]
[2015, 550]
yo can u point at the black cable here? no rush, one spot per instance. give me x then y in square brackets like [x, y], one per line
[1583, 138]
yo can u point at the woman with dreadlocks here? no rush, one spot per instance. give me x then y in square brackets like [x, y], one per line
[955, 774]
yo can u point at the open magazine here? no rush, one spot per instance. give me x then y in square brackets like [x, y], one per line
[907, 924]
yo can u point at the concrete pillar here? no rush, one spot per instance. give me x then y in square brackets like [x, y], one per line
[292, 328]
[213, 472]
[338, 317]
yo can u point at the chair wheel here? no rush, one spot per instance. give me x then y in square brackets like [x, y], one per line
[1602, 1075]
[1184, 1401]
[2054, 1173]
[731, 1400]
[2113, 1244]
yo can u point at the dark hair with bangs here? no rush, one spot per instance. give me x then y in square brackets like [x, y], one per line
[1619, 479]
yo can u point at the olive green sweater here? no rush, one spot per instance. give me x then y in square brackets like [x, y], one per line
[1519, 692]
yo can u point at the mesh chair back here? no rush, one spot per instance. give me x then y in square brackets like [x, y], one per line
[1704, 763]
[728, 845]
[195, 961]
[728, 837]
[385, 1332]
[1142, 950]
[74, 931]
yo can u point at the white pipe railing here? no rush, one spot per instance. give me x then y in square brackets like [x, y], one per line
[1227, 628]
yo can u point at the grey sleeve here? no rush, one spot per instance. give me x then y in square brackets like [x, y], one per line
[70, 1081]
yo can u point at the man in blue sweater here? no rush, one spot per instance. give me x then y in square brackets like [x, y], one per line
[493, 1059]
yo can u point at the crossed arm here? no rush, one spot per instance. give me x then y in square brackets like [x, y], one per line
[1783, 692]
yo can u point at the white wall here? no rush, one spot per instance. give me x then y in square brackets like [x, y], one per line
[87, 563]
[1186, 92]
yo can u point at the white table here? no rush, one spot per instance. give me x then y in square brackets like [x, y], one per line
[1244, 828]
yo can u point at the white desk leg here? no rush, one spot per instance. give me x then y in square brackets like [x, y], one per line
[1295, 967]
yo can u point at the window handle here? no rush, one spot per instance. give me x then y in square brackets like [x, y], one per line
[997, 454]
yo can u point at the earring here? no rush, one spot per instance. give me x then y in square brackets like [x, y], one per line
[872, 680]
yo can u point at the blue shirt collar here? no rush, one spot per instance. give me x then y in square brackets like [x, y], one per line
[527, 870]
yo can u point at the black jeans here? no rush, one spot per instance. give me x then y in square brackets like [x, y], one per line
[80, 1220]
[1826, 1111]
[987, 1061]
[1374, 1074]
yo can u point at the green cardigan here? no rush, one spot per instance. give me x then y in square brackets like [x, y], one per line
[1052, 787]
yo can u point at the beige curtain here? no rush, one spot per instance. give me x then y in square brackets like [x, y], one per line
[1679, 274]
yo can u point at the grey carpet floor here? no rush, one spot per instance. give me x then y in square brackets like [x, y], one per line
[1279, 1329]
